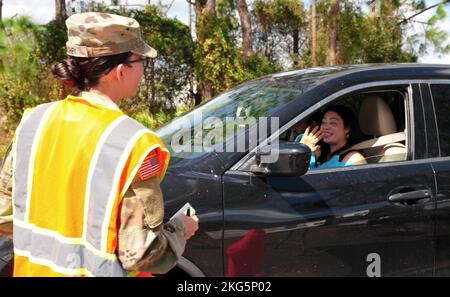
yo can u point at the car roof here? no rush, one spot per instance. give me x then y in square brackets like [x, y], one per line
[336, 71]
[363, 72]
[320, 82]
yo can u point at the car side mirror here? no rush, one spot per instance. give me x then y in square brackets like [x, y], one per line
[293, 160]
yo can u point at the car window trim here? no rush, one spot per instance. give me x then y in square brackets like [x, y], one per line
[407, 83]
[358, 167]
[430, 91]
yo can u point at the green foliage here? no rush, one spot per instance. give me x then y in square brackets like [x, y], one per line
[383, 41]
[51, 40]
[419, 4]
[373, 37]
[363, 36]
[258, 65]
[434, 37]
[175, 61]
[146, 119]
[156, 119]
[3, 148]
[216, 57]
[174, 64]
[24, 80]
[391, 41]
[219, 60]
[353, 37]
[280, 15]
[281, 35]
[278, 21]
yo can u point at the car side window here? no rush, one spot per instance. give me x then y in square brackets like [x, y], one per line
[441, 100]
[380, 121]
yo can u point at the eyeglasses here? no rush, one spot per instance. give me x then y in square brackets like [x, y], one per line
[146, 61]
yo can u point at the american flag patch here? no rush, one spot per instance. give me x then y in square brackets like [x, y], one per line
[150, 166]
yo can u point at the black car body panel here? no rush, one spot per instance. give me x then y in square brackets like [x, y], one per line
[326, 222]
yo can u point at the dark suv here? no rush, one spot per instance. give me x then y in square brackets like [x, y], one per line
[389, 217]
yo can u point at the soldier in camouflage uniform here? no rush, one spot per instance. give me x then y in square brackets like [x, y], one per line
[145, 243]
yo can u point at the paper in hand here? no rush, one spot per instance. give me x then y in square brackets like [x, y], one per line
[187, 209]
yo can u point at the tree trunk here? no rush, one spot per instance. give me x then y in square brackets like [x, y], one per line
[208, 91]
[61, 13]
[190, 17]
[332, 49]
[314, 32]
[199, 7]
[295, 40]
[152, 86]
[246, 25]
[204, 7]
[1, 6]
[210, 7]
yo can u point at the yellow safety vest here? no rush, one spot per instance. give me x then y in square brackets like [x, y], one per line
[74, 161]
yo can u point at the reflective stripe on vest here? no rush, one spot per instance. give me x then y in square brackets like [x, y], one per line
[64, 258]
[107, 169]
[27, 136]
[89, 253]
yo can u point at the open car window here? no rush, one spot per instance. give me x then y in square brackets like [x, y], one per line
[381, 120]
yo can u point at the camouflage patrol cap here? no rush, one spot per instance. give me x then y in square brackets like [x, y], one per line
[95, 34]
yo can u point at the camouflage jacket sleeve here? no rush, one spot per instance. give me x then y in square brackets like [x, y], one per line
[6, 196]
[146, 244]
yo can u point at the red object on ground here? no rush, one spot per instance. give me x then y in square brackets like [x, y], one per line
[144, 274]
[245, 256]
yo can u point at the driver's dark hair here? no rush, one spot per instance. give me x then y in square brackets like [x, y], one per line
[84, 73]
[354, 134]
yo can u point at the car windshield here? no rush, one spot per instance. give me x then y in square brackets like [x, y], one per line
[256, 99]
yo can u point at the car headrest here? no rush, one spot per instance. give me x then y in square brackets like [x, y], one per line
[375, 117]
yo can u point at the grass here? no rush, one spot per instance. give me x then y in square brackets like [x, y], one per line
[3, 148]
[4, 143]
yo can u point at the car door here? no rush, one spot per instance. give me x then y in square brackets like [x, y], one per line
[6, 256]
[437, 99]
[335, 222]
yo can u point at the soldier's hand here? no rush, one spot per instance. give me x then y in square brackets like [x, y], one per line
[190, 225]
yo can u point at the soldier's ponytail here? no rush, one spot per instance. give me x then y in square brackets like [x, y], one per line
[85, 73]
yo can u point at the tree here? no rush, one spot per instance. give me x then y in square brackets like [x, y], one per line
[247, 42]
[293, 12]
[344, 32]
[205, 15]
[283, 28]
[1, 8]
[210, 7]
[174, 65]
[265, 28]
[314, 32]
[61, 13]
[431, 39]
[354, 35]
[422, 9]
[334, 28]
[190, 14]
[166, 79]
[24, 80]
[220, 63]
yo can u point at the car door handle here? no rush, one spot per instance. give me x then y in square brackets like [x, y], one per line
[410, 196]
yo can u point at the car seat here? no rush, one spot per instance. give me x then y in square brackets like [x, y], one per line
[387, 143]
